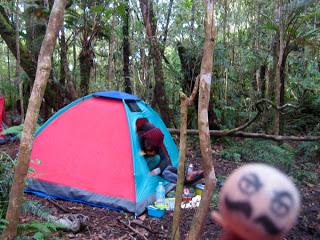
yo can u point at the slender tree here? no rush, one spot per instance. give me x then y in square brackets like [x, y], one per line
[159, 98]
[126, 49]
[203, 122]
[42, 75]
[111, 52]
[278, 87]
[18, 67]
[184, 104]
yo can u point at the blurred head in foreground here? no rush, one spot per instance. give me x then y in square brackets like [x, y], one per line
[257, 202]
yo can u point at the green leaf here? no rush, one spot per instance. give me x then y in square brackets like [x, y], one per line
[38, 236]
[269, 26]
[121, 10]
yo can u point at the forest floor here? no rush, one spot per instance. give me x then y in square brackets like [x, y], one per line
[109, 224]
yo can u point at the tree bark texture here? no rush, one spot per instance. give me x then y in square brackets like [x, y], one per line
[126, 49]
[165, 33]
[36, 22]
[110, 55]
[66, 78]
[18, 62]
[184, 104]
[159, 98]
[42, 75]
[276, 123]
[203, 122]
[86, 64]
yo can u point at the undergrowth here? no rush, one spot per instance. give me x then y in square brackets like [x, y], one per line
[281, 156]
[37, 230]
[298, 161]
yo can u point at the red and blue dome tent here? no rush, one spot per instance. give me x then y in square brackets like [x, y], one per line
[89, 152]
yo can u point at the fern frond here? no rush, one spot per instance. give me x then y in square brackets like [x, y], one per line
[36, 208]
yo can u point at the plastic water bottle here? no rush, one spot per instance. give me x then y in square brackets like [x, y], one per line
[160, 195]
[190, 169]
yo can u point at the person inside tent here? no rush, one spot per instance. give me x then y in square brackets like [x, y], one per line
[156, 155]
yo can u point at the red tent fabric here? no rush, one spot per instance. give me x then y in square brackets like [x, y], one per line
[2, 114]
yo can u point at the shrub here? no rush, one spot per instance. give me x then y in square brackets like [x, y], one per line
[280, 156]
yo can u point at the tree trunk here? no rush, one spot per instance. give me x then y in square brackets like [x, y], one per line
[262, 81]
[42, 75]
[203, 122]
[159, 97]
[86, 64]
[126, 49]
[86, 57]
[165, 34]
[110, 55]
[185, 102]
[19, 82]
[28, 61]
[68, 82]
[276, 122]
[36, 22]
[8, 34]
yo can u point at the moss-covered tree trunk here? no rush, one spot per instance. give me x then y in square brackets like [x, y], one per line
[203, 122]
[42, 75]
[86, 64]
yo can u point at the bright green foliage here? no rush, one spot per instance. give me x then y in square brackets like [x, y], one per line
[40, 230]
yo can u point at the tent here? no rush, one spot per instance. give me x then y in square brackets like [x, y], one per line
[89, 152]
[3, 138]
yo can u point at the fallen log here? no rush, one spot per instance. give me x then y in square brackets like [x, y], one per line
[231, 133]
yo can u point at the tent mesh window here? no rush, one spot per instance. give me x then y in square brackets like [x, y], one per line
[133, 106]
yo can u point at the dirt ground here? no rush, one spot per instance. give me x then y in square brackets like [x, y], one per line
[109, 224]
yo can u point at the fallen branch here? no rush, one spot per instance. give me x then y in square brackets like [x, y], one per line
[230, 133]
[65, 210]
[132, 229]
[143, 226]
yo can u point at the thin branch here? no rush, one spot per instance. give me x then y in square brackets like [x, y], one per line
[278, 108]
[65, 210]
[194, 91]
[132, 229]
[165, 34]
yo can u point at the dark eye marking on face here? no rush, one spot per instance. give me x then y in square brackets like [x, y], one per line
[268, 225]
[281, 203]
[249, 184]
[238, 206]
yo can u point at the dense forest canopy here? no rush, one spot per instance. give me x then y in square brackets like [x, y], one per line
[104, 45]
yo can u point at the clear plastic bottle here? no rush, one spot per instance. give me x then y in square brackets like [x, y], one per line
[190, 169]
[160, 195]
